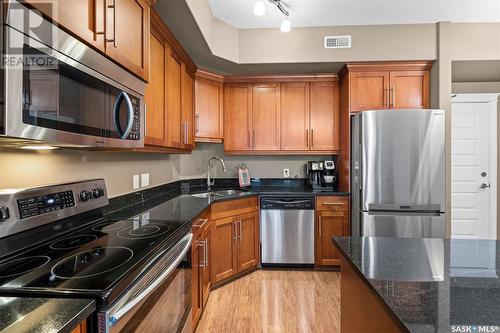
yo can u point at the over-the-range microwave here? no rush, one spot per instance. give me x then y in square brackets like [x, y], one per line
[55, 89]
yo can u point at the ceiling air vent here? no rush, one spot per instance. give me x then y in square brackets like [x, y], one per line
[337, 42]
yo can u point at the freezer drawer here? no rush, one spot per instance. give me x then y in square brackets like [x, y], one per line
[403, 225]
[287, 236]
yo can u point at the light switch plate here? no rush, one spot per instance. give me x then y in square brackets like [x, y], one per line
[135, 182]
[286, 173]
[145, 179]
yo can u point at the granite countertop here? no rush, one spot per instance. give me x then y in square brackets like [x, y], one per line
[42, 315]
[431, 285]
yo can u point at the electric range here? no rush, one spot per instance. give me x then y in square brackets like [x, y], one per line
[64, 247]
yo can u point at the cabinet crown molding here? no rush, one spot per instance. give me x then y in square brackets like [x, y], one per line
[280, 78]
[386, 66]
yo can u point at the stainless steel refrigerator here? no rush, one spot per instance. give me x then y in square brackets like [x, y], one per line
[398, 173]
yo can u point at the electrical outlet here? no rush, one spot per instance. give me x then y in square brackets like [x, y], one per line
[286, 173]
[135, 182]
[145, 179]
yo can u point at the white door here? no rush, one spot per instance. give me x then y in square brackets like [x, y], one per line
[474, 163]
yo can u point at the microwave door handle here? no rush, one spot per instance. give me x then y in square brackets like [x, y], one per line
[116, 114]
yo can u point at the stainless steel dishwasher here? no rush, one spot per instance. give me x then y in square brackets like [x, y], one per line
[287, 230]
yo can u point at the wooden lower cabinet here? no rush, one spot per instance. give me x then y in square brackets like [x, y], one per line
[235, 245]
[81, 328]
[332, 220]
[201, 264]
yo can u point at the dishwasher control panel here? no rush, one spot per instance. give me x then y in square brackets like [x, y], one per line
[284, 202]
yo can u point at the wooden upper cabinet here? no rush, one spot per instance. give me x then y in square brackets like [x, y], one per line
[266, 117]
[209, 107]
[127, 34]
[83, 18]
[174, 81]
[370, 91]
[409, 89]
[295, 116]
[324, 116]
[387, 85]
[248, 241]
[187, 113]
[155, 95]
[237, 117]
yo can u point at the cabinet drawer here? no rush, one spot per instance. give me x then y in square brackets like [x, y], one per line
[200, 223]
[234, 207]
[332, 203]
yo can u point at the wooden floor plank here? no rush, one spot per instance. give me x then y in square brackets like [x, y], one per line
[275, 301]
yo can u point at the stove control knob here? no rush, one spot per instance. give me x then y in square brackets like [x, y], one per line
[4, 214]
[85, 195]
[98, 192]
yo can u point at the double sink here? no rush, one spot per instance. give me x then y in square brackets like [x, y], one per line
[217, 193]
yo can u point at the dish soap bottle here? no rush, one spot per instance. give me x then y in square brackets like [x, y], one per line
[243, 175]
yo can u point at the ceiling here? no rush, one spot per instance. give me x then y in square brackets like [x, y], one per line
[310, 13]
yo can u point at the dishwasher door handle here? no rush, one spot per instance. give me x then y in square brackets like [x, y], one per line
[286, 202]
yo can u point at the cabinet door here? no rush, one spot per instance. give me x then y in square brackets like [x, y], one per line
[82, 18]
[266, 116]
[237, 117]
[155, 93]
[369, 91]
[174, 82]
[187, 115]
[209, 102]
[223, 247]
[330, 223]
[294, 116]
[248, 241]
[409, 89]
[196, 262]
[324, 117]
[205, 273]
[127, 30]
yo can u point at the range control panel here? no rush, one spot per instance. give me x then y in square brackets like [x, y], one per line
[23, 209]
[44, 204]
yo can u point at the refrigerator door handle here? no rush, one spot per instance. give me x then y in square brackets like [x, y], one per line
[404, 213]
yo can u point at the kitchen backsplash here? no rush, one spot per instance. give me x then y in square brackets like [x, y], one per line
[25, 168]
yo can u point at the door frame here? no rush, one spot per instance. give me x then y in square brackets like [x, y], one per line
[492, 99]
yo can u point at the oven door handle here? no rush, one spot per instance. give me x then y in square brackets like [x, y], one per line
[115, 318]
[130, 114]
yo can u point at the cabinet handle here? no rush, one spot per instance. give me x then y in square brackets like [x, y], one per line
[201, 224]
[253, 139]
[113, 6]
[145, 119]
[333, 203]
[197, 123]
[312, 138]
[248, 139]
[393, 91]
[202, 244]
[387, 97]
[307, 138]
[206, 251]
[320, 225]
[96, 31]
[241, 230]
[235, 230]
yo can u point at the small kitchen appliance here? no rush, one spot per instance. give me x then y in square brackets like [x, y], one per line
[322, 175]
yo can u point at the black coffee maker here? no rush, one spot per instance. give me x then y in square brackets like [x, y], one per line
[322, 175]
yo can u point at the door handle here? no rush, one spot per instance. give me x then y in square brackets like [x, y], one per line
[130, 114]
[206, 250]
[387, 97]
[320, 225]
[484, 185]
[307, 138]
[235, 230]
[202, 244]
[203, 222]
[197, 123]
[312, 138]
[241, 230]
[145, 119]
[393, 91]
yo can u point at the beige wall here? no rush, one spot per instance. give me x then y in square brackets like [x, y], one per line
[27, 169]
[475, 41]
[194, 165]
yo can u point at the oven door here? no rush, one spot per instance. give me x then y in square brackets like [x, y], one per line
[160, 301]
[62, 92]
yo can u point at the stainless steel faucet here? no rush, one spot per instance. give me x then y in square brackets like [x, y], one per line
[209, 182]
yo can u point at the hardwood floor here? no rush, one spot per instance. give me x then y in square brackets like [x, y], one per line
[275, 301]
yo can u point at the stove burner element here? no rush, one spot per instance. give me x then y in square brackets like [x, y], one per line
[144, 231]
[93, 262]
[20, 266]
[109, 226]
[72, 242]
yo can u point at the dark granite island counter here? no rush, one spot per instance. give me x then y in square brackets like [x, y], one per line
[419, 285]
